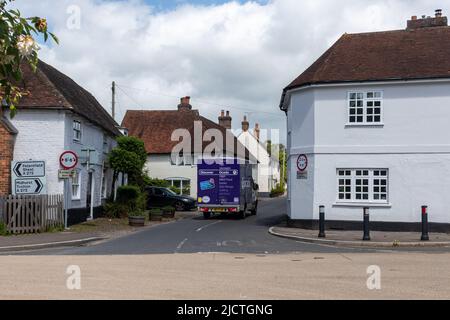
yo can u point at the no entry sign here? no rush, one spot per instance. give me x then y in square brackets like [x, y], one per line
[68, 160]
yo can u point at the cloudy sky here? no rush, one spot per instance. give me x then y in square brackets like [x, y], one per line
[234, 55]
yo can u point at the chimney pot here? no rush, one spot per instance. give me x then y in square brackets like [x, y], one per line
[225, 120]
[245, 124]
[427, 21]
[257, 131]
[185, 103]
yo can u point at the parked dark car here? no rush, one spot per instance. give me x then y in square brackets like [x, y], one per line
[158, 197]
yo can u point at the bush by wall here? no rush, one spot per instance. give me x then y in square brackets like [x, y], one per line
[278, 191]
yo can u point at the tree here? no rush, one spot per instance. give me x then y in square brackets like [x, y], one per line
[17, 46]
[129, 158]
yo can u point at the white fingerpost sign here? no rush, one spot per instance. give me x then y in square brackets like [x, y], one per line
[28, 178]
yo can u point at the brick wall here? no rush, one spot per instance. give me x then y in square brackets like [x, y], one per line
[6, 156]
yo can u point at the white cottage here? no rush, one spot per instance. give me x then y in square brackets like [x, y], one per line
[58, 115]
[268, 167]
[369, 126]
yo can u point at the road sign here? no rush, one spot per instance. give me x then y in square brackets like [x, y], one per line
[302, 162]
[28, 178]
[68, 160]
[66, 174]
[29, 186]
[27, 169]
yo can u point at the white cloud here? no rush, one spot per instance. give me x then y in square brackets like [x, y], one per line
[238, 55]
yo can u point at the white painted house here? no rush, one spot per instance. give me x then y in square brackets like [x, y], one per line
[268, 167]
[58, 115]
[369, 126]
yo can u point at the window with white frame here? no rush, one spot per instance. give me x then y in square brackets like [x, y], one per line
[182, 160]
[363, 185]
[365, 107]
[76, 130]
[76, 185]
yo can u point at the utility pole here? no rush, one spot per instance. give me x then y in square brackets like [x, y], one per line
[113, 109]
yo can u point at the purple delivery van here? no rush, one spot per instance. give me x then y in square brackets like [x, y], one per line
[226, 186]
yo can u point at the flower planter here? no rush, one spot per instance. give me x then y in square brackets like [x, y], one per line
[156, 217]
[169, 214]
[136, 221]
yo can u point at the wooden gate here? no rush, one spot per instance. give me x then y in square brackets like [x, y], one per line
[32, 214]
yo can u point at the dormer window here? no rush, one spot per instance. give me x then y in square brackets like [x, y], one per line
[365, 108]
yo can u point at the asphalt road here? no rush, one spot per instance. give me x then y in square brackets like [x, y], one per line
[196, 235]
[217, 235]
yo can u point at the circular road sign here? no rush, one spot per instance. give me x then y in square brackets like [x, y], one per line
[68, 160]
[302, 162]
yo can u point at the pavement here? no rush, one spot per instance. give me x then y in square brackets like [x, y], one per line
[80, 235]
[354, 238]
[46, 240]
[227, 276]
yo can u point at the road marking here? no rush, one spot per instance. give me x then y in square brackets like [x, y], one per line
[181, 245]
[208, 225]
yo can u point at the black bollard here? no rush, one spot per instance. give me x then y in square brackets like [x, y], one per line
[425, 236]
[322, 222]
[366, 225]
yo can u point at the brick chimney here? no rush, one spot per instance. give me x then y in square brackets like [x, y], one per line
[428, 22]
[257, 131]
[185, 104]
[245, 124]
[225, 119]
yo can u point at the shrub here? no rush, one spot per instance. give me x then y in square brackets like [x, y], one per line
[3, 231]
[155, 212]
[278, 191]
[114, 210]
[128, 194]
[130, 202]
[149, 182]
[168, 209]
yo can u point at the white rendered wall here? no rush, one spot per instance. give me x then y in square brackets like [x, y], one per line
[268, 169]
[41, 137]
[159, 166]
[413, 143]
[92, 138]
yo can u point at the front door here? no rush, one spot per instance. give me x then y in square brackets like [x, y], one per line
[89, 192]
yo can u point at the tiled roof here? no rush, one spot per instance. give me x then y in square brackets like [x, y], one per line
[49, 88]
[155, 128]
[411, 54]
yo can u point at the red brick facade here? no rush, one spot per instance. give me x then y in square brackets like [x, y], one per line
[6, 156]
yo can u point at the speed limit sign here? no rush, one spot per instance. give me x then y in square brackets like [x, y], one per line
[68, 160]
[302, 163]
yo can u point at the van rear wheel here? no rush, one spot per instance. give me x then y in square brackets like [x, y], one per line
[207, 215]
[242, 215]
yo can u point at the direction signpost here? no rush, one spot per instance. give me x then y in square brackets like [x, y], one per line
[28, 178]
